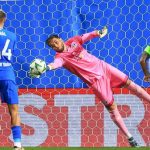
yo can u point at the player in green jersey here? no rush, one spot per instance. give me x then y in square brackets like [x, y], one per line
[144, 63]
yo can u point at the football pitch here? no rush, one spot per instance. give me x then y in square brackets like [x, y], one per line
[80, 148]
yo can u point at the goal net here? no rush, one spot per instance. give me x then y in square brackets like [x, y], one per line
[59, 109]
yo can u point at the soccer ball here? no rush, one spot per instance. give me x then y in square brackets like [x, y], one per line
[37, 66]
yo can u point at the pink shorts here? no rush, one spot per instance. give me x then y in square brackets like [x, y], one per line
[102, 87]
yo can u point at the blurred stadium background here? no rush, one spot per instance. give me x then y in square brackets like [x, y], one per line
[58, 110]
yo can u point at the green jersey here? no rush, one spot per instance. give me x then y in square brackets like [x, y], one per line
[147, 50]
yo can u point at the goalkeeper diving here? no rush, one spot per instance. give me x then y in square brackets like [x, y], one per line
[96, 73]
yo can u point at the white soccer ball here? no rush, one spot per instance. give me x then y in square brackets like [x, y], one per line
[38, 66]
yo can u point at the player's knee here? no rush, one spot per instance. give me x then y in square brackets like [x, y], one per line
[128, 83]
[114, 113]
[112, 107]
[13, 108]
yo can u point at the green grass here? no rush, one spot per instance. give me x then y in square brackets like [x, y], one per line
[80, 148]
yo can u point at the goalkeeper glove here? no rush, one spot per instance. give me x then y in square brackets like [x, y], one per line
[103, 32]
[49, 67]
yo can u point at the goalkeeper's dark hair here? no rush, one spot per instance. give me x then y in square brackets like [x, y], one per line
[2, 14]
[51, 37]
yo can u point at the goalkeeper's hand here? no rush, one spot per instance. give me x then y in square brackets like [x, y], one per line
[103, 32]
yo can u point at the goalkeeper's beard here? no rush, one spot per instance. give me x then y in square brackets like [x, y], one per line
[61, 49]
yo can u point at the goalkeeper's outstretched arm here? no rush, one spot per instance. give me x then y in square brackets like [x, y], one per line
[88, 36]
[58, 62]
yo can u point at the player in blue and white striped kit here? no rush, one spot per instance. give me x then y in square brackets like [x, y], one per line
[8, 87]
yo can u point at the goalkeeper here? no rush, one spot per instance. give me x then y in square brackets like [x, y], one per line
[144, 57]
[99, 75]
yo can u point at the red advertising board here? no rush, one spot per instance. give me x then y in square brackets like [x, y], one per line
[74, 118]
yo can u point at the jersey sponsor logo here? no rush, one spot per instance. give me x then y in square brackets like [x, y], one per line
[76, 51]
[74, 45]
[2, 33]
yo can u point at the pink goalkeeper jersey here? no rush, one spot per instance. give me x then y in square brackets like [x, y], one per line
[78, 61]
